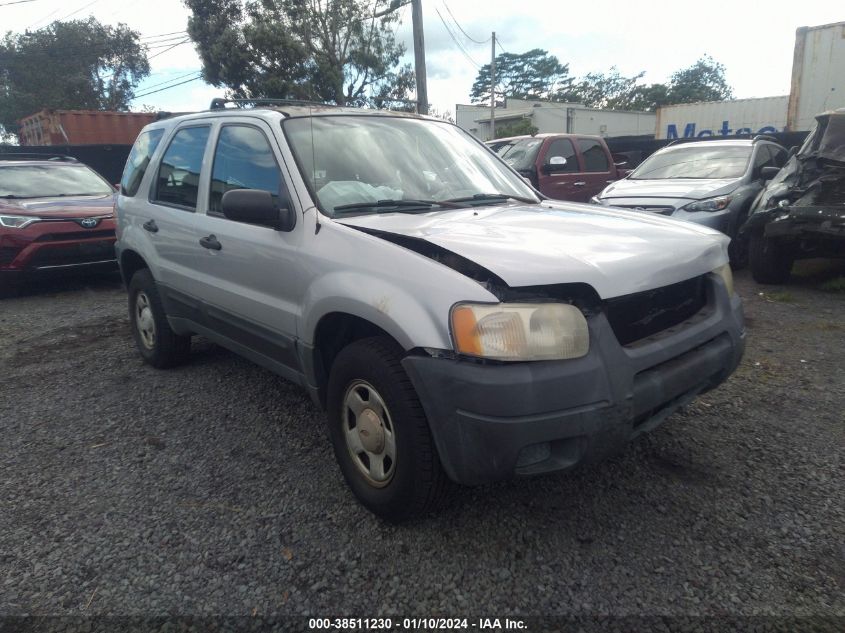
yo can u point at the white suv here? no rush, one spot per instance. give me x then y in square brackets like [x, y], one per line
[453, 323]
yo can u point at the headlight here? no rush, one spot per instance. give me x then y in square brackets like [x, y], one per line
[709, 204]
[520, 331]
[727, 276]
[17, 221]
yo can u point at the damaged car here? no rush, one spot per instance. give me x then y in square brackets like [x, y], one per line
[801, 213]
[454, 325]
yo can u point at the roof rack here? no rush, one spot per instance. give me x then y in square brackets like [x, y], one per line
[696, 139]
[36, 156]
[220, 103]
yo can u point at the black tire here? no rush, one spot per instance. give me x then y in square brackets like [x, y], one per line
[738, 248]
[418, 483]
[9, 288]
[166, 348]
[771, 263]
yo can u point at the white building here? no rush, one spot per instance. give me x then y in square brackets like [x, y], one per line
[548, 116]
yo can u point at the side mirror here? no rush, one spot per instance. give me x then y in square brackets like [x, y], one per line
[767, 173]
[255, 206]
[554, 164]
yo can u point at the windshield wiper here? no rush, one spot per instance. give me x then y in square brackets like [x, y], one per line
[12, 196]
[401, 206]
[487, 197]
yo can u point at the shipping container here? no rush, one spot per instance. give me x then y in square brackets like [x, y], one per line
[766, 115]
[818, 74]
[82, 127]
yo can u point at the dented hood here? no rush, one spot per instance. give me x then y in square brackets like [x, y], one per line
[616, 252]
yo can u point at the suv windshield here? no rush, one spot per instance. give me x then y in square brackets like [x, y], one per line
[521, 154]
[355, 160]
[695, 162]
[48, 181]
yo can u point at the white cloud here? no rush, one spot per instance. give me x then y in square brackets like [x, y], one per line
[753, 40]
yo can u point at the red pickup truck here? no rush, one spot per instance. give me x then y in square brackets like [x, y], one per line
[562, 166]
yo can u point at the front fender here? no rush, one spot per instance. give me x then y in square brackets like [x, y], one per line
[412, 322]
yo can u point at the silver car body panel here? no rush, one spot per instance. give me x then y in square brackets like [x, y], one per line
[615, 253]
[327, 265]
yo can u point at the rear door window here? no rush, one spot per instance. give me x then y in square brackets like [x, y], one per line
[595, 158]
[139, 158]
[243, 159]
[178, 178]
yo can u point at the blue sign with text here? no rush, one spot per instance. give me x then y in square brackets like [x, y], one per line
[725, 130]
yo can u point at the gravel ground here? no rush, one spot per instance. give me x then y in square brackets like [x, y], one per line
[212, 489]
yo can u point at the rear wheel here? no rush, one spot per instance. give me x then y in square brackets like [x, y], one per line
[771, 262]
[157, 343]
[380, 434]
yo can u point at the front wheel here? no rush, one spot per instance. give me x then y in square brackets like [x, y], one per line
[379, 432]
[771, 262]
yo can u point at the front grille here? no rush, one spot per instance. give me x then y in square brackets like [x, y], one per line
[81, 253]
[8, 254]
[637, 316]
[76, 235]
[662, 210]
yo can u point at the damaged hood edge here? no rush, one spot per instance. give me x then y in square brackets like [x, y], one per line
[615, 252]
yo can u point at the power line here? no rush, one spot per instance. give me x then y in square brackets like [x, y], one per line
[467, 35]
[455, 40]
[185, 41]
[162, 35]
[72, 13]
[151, 92]
[6, 4]
[161, 83]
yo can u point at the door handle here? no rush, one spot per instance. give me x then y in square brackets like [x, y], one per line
[150, 225]
[210, 242]
[580, 183]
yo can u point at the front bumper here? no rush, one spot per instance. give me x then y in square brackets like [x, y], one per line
[718, 220]
[57, 245]
[495, 421]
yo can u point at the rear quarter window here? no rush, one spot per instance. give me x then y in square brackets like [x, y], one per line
[139, 158]
[594, 156]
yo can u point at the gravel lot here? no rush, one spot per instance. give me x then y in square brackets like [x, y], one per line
[212, 489]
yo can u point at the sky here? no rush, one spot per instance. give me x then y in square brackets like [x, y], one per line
[754, 40]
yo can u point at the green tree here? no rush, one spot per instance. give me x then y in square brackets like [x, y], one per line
[703, 81]
[520, 128]
[334, 51]
[609, 90]
[531, 75]
[648, 97]
[80, 64]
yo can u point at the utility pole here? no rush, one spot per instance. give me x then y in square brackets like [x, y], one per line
[419, 56]
[493, 86]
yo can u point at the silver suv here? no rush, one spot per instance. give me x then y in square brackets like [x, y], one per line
[453, 324]
[708, 182]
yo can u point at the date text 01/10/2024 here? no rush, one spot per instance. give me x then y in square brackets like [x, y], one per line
[416, 624]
